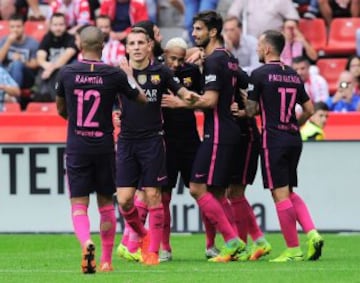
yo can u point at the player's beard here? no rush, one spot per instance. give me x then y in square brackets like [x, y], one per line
[204, 43]
[261, 59]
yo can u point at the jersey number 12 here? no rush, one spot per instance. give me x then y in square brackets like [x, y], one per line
[86, 96]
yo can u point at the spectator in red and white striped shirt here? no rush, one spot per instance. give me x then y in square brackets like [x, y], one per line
[315, 85]
[113, 49]
[77, 12]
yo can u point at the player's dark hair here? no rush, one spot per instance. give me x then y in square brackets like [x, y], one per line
[212, 20]
[300, 59]
[321, 106]
[276, 39]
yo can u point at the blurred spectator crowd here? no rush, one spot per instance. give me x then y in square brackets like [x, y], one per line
[38, 37]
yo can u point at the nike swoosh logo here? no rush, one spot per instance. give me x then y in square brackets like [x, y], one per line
[199, 175]
[159, 179]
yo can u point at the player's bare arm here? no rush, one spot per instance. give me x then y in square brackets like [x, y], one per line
[188, 96]
[251, 108]
[172, 101]
[195, 55]
[208, 100]
[308, 111]
[61, 107]
[240, 113]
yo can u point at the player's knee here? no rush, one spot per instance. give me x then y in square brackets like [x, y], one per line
[125, 204]
[125, 200]
[153, 197]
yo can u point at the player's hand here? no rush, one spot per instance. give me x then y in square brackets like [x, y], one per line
[234, 108]
[191, 97]
[125, 66]
[171, 101]
[239, 113]
[197, 57]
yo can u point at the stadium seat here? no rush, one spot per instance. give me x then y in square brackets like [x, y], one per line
[11, 107]
[42, 107]
[330, 69]
[315, 32]
[342, 39]
[36, 29]
[4, 28]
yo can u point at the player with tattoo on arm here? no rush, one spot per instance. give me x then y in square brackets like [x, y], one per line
[86, 92]
[274, 90]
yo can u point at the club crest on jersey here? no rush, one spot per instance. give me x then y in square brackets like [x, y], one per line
[187, 81]
[142, 79]
[155, 79]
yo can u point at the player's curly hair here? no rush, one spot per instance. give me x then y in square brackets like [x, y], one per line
[212, 20]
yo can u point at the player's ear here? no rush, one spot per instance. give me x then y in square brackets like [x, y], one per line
[151, 45]
[267, 48]
[213, 32]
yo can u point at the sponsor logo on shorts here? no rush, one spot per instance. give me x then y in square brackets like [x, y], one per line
[250, 87]
[162, 178]
[200, 175]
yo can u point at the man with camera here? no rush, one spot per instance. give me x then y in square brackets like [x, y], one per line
[344, 99]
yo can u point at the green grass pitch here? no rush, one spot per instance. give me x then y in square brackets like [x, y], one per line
[56, 258]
